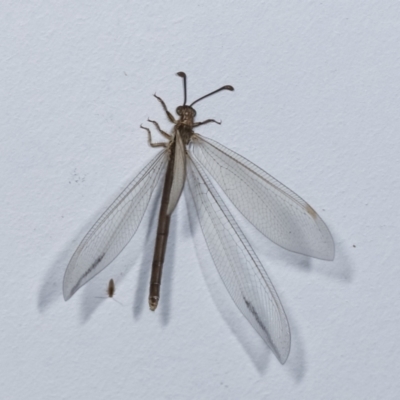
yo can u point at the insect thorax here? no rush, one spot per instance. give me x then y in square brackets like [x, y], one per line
[185, 132]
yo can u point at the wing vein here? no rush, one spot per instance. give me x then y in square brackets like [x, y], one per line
[114, 229]
[276, 211]
[238, 265]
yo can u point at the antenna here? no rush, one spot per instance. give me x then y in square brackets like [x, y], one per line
[183, 75]
[227, 87]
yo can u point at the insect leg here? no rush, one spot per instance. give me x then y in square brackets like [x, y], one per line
[207, 121]
[165, 134]
[170, 116]
[159, 144]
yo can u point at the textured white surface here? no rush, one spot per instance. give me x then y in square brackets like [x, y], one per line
[316, 104]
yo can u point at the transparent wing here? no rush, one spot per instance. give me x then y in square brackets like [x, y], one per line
[271, 207]
[179, 174]
[240, 270]
[114, 229]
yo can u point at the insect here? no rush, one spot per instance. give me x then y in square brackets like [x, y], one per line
[110, 291]
[276, 211]
[111, 288]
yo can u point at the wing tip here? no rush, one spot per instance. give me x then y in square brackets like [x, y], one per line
[68, 289]
[67, 293]
[330, 247]
[283, 358]
[281, 353]
[67, 297]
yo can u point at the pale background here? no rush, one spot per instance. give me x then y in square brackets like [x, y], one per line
[316, 104]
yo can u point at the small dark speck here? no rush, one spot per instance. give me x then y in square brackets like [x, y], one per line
[76, 177]
[354, 245]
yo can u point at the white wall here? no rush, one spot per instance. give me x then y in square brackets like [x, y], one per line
[316, 104]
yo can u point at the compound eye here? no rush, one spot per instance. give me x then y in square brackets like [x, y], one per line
[179, 110]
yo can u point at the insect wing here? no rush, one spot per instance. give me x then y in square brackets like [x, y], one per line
[114, 229]
[276, 211]
[239, 268]
[179, 175]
